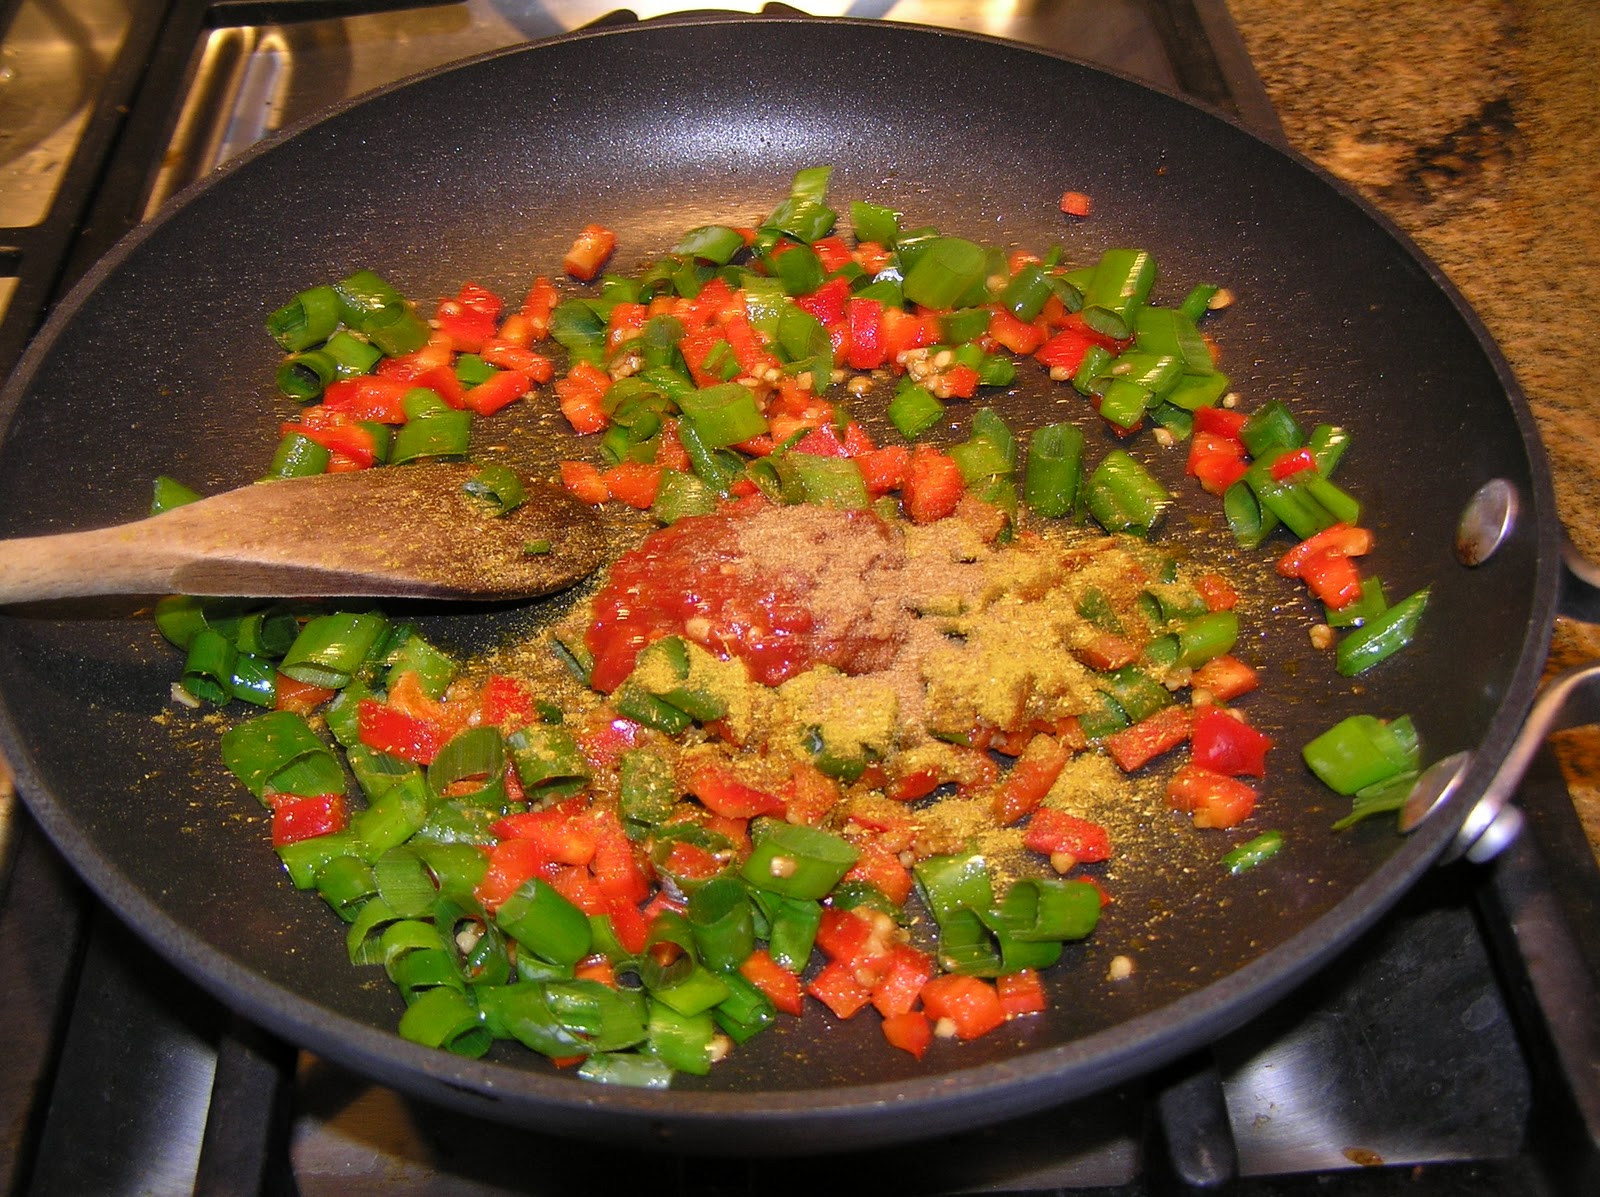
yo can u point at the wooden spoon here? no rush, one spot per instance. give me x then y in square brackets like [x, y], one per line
[402, 531]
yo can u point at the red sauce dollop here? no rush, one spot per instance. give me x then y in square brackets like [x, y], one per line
[698, 579]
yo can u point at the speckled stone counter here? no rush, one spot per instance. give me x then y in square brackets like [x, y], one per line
[1475, 125]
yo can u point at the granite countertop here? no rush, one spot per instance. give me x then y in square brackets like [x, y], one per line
[1475, 126]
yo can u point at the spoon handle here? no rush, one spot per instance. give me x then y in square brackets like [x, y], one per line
[118, 560]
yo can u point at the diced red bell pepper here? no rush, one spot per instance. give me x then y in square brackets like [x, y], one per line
[899, 987]
[720, 791]
[933, 485]
[1224, 678]
[499, 390]
[300, 697]
[903, 331]
[470, 318]
[1019, 336]
[583, 480]
[511, 863]
[296, 818]
[781, 987]
[836, 987]
[809, 795]
[871, 256]
[1345, 540]
[970, 1004]
[1219, 593]
[1295, 461]
[1021, 992]
[618, 870]
[1064, 351]
[882, 870]
[749, 350]
[832, 252]
[589, 252]
[351, 440]
[1075, 203]
[540, 301]
[368, 397]
[691, 862]
[559, 836]
[1056, 832]
[633, 482]
[884, 470]
[508, 355]
[670, 453]
[628, 924]
[1214, 799]
[515, 332]
[579, 393]
[1323, 562]
[1219, 421]
[1108, 651]
[865, 319]
[1136, 746]
[624, 324]
[1224, 744]
[910, 1032]
[827, 302]
[1030, 779]
[1334, 578]
[960, 381]
[398, 732]
[504, 701]
[1218, 461]
[851, 937]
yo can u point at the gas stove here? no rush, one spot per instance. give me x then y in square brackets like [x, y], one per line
[1452, 1050]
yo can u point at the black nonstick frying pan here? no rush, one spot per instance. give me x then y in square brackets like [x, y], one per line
[157, 363]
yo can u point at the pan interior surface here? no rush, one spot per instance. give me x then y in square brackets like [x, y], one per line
[158, 365]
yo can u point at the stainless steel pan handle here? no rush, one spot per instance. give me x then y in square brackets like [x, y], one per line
[1570, 699]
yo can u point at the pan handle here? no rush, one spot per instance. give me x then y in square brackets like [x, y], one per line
[1570, 699]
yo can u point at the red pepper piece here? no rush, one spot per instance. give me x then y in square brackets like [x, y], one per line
[499, 390]
[910, 1032]
[1019, 336]
[369, 397]
[781, 987]
[633, 482]
[1228, 745]
[1215, 800]
[582, 478]
[868, 350]
[469, 319]
[720, 791]
[971, 1005]
[933, 485]
[1136, 746]
[1030, 779]
[1219, 421]
[1021, 992]
[836, 987]
[1287, 465]
[907, 971]
[296, 818]
[1225, 678]
[1055, 832]
[579, 394]
[589, 252]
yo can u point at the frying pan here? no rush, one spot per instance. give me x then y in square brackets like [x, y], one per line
[157, 363]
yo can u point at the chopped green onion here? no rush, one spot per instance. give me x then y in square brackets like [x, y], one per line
[498, 486]
[1253, 852]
